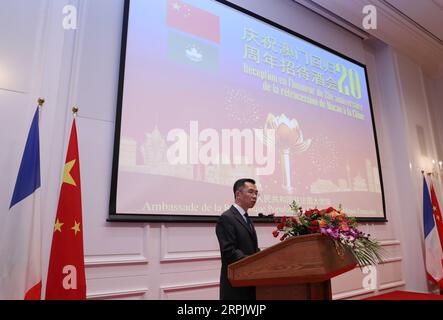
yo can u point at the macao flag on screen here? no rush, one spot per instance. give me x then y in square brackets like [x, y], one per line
[185, 50]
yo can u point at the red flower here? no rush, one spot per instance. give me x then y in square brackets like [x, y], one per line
[294, 219]
[283, 237]
[309, 212]
[280, 226]
[275, 233]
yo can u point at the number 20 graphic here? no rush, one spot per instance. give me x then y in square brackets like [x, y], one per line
[349, 82]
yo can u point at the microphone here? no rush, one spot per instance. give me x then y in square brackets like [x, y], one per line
[266, 217]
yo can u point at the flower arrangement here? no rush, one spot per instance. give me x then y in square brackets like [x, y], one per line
[336, 225]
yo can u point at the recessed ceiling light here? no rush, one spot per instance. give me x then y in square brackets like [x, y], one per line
[438, 3]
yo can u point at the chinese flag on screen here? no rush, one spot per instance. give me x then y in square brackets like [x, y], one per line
[193, 20]
[66, 272]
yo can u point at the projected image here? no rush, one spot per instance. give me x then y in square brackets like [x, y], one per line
[211, 95]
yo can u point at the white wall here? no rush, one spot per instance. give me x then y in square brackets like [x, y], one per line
[401, 180]
[170, 260]
[434, 87]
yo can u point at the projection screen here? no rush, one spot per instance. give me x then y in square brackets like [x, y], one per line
[210, 93]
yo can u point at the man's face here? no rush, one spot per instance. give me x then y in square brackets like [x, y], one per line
[247, 196]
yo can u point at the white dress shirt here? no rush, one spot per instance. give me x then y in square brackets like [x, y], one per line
[242, 212]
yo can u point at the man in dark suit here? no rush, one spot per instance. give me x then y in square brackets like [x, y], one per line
[237, 238]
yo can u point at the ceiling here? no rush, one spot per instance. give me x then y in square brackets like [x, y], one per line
[427, 14]
[414, 27]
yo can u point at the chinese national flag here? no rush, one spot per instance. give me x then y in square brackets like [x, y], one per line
[437, 215]
[66, 272]
[193, 20]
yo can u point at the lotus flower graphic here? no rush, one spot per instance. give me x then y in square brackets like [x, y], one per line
[289, 139]
[193, 54]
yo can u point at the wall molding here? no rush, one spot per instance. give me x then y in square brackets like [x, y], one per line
[166, 256]
[189, 256]
[97, 260]
[118, 293]
[390, 285]
[391, 260]
[359, 292]
[392, 242]
[165, 290]
[113, 259]
[352, 293]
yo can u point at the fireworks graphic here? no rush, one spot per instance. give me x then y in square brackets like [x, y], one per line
[324, 155]
[240, 107]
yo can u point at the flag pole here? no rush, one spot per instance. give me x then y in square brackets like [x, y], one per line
[40, 102]
[74, 111]
[429, 174]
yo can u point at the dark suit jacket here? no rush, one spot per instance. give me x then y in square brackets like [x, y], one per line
[236, 241]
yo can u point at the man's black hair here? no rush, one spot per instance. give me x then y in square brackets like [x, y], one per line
[241, 182]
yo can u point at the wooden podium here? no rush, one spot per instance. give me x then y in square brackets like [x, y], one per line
[299, 268]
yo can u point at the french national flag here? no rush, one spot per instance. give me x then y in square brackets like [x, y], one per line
[20, 238]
